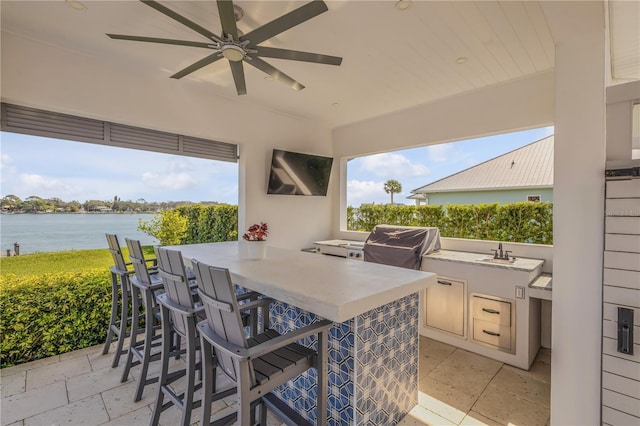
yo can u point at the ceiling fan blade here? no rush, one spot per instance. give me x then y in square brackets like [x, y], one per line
[295, 55]
[285, 22]
[238, 77]
[196, 66]
[227, 18]
[275, 73]
[184, 21]
[160, 40]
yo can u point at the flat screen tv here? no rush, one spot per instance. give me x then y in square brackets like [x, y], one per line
[293, 173]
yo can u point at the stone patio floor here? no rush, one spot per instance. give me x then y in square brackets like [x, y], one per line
[457, 387]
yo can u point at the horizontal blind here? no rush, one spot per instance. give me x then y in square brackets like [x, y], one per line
[31, 121]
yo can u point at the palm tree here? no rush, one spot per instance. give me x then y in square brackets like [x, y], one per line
[392, 186]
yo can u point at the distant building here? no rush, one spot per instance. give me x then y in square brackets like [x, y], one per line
[525, 174]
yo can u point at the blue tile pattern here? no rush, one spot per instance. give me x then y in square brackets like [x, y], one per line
[373, 364]
[386, 379]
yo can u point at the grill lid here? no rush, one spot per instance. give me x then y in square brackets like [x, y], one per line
[401, 246]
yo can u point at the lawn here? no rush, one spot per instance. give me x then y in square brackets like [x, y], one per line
[62, 261]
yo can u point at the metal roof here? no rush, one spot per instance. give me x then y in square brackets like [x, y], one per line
[528, 167]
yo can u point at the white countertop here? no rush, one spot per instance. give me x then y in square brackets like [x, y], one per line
[520, 264]
[333, 288]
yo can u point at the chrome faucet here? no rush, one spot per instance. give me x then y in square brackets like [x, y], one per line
[499, 254]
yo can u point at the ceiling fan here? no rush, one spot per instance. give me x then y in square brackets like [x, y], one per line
[238, 47]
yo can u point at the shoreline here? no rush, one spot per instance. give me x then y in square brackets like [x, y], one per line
[11, 213]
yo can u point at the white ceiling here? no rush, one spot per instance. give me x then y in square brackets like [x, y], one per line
[393, 59]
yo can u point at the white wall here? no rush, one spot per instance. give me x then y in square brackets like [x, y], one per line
[620, 101]
[47, 77]
[578, 210]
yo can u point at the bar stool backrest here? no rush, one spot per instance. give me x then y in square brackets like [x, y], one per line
[139, 262]
[223, 316]
[116, 252]
[176, 285]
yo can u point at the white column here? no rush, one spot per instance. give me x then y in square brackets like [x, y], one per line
[578, 217]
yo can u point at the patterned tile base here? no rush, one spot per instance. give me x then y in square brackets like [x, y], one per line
[373, 364]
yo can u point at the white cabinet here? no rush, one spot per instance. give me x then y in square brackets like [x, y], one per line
[446, 307]
[489, 324]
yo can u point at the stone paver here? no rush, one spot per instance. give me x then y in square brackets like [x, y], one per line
[70, 367]
[457, 387]
[13, 384]
[33, 402]
[84, 412]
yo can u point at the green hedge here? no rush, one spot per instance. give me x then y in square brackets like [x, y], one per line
[210, 223]
[50, 314]
[524, 222]
[193, 224]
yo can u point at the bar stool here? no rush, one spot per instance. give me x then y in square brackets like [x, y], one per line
[180, 311]
[179, 314]
[120, 292]
[259, 364]
[145, 285]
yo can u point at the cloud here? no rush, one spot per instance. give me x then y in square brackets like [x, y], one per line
[359, 192]
[8, 169]
[440, 153]
[177, 177]
[393, 166]
[5, 160]
[170, 181]
[46, 187]
[179, 165]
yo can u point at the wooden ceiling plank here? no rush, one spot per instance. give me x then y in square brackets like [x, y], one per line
[475, 20]
[506, 35]
[522, 25]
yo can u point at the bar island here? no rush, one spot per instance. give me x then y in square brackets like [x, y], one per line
[373, 345]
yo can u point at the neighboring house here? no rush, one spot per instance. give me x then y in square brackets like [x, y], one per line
[525, 174]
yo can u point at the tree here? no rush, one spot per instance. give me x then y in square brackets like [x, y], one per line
[169, 226]
[34, 203]
[392, 186]
[11, 202]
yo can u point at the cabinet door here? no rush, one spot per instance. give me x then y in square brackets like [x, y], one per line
[445, 306]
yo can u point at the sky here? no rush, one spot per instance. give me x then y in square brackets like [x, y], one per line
[80, 171]
[83, 171]
[417, 167]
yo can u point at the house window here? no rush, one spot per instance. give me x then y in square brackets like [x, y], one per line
[533, 198]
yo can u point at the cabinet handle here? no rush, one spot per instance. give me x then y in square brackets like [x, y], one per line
[491, 333]
[491, 311]
[444, 282]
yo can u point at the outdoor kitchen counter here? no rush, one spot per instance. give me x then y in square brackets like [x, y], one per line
[326, 286]
[520, 264]
[373, 344]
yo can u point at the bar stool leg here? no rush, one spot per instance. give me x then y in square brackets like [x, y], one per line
[164, 369]
[114, 313]
[133, 343]
[124, 319]
[146, 351]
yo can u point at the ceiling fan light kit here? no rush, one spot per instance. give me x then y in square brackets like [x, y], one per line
[237, 47]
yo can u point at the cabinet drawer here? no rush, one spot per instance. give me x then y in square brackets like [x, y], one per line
[494, 311]
[492, 334]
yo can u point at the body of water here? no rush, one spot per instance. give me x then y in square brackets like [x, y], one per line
[59, 232]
